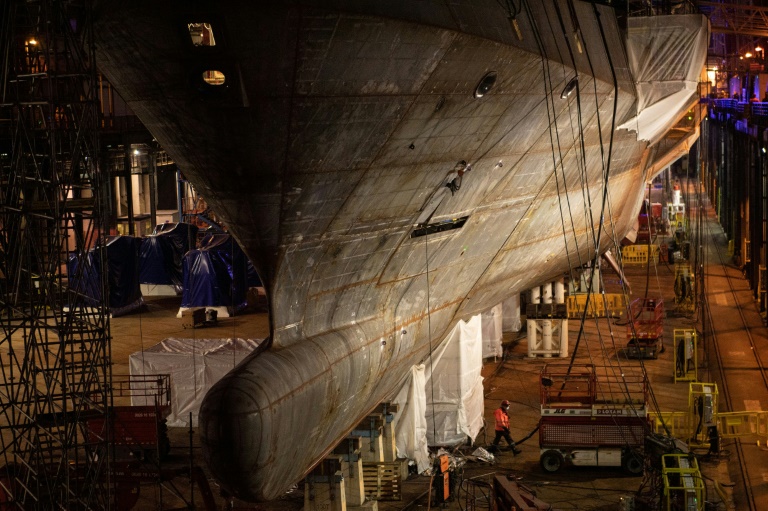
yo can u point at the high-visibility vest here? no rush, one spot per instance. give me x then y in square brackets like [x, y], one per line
[502, 419]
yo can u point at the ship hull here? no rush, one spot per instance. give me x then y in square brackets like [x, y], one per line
[328, 151]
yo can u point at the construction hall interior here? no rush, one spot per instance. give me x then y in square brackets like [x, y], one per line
[324, 255]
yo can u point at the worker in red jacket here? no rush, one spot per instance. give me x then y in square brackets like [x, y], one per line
[502, 427]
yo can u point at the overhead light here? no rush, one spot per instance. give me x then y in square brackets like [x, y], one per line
[32, 41]
[570, 87]
[136, 152]
[763, 150]
[748, 55]
[758, 49]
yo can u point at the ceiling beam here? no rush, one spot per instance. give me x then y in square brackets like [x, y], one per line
[736, 19]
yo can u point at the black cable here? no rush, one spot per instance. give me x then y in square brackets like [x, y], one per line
[529, 435]
[596, 239]
[607, 168]
[554, 139]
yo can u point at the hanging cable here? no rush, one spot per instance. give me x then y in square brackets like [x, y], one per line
[581, 161]
[429, 336]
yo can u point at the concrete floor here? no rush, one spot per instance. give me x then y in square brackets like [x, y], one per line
[514, 378]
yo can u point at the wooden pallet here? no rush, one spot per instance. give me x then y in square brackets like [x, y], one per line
[382, 480]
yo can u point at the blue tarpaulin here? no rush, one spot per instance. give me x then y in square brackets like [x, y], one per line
[161, 254]
[216, 275]
[122, 275]
[253, 277]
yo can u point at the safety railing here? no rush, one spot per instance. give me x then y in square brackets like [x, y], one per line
[610, 305]
[638, 254]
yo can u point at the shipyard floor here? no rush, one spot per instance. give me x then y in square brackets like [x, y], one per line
[727, 355]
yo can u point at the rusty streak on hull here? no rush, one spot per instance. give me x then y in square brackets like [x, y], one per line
[332, 134]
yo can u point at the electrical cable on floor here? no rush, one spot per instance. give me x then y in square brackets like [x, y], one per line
[529, 435]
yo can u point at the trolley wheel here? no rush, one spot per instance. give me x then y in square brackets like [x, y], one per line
[551, 461]
[633, 463]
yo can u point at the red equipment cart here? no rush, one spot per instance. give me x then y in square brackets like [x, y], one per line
[645, 328]
[137, 430]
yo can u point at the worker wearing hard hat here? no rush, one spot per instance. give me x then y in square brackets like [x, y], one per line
[502, 427]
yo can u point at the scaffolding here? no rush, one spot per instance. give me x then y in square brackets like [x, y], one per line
[54, 349]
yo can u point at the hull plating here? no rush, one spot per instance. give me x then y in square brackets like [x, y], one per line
[334, 133]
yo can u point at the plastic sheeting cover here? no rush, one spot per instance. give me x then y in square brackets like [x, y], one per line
[161, 255]
[511, 314]
[216, 274]
[122, 274]
[156, 262]
[194, 365]
[452, 396]
[492, 321]
[666, 55]
[411, 421]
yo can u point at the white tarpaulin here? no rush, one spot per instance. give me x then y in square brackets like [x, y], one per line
[492, 323]
[452, 396]
[666, 56]
[511, 314]
[194, 365]
[411, 422]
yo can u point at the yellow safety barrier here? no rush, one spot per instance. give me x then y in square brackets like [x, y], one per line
[739, 424]
[600, 305]
[678, 423]
[729, 424]
[638, 254]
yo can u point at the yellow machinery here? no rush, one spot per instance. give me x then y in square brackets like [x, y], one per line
[683, 485]
[702, 408]
[685, 288]
[686, 354]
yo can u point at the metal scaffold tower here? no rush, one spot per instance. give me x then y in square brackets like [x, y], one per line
[54, 349]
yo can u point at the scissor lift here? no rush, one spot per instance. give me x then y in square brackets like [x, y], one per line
[645, 328]
[592, 416]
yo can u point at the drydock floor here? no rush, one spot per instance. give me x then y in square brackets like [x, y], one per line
[515, 377]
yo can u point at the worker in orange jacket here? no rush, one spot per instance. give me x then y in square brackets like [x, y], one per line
[502, 427]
